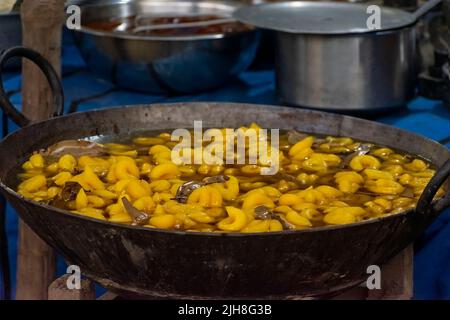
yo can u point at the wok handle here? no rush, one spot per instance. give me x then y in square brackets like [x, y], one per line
[52, 77]
[425, 204]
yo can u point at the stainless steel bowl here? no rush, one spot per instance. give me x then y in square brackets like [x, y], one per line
[10, 34]
[328, 58]
[183, 64]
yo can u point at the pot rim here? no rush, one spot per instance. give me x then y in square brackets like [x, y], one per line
[4, 188]
[127, 36]
[243, 15]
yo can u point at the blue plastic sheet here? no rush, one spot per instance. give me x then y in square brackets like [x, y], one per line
[429, 118]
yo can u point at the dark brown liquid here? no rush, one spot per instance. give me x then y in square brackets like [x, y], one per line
[134, 22]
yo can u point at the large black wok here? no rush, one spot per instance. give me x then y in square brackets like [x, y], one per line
[174, 264]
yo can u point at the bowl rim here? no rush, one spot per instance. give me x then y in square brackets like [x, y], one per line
[128, 36]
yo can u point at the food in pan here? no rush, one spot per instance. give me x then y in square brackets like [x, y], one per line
[170, 25]
[320, 181]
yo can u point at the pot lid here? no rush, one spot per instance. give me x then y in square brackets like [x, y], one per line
[307, 17]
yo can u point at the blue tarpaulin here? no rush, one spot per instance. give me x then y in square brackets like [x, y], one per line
[426, 117]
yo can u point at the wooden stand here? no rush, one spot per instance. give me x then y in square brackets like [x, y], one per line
[42, 31]
[396, 284]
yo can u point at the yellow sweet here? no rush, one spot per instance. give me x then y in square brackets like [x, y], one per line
[229, 190]
[96, 201]
[165, 221]
[315, 164]
[145, 204]
[105, 194]
[360, 163]
[289, 200]
[91, 213]
[297, 219]
[257, 226]
[138, 188]
[329, 192]
[52, 168]
[81, 200]
[312, 195]
[126, 168]
[52, 192]
[207, 196]
[384, 186]
[158, 149]
[160, 186]
[255, 199]
[121, 217]
[164, 172]
[201, 217]
[34, 184]
[92, 180]
[161, 197]
[235, 221]
[97, 164]
[416, 165]
[251, 169]
[301, 145]
[382, 152]
[348, 181]
[339, 218]
[307, 179]
[373, 174]
[37, 161]
[148, 141]
[67, 163]
[61, 178]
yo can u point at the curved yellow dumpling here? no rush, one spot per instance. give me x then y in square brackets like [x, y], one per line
[229, 189]
[297, 219]
[34, 184]
[362, 162]
[165, 221]
[67, 163]
[165, 171]
[237, 220]
[301, 145]
[207, 196]
[254, 199]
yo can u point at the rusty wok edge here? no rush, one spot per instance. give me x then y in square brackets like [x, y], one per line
[161, 263]
[178, 264]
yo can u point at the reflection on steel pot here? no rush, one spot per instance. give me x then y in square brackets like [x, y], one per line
[346, 73]
[328, 58]
[10, 34]
[177, 264]
[163, 63]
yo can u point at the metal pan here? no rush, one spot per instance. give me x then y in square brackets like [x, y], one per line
[164, 64]
[175, 264]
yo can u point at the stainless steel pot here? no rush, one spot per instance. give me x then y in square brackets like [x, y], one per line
[156, 64]
[328, 58]
[346, 72]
